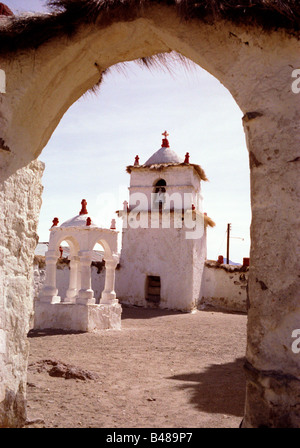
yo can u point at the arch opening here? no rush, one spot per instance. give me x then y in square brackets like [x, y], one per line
[216, 163]
[67, 250]
[114, 169]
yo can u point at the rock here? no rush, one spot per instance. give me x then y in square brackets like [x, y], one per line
[59, 369]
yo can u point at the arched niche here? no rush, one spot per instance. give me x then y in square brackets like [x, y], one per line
[159, 186]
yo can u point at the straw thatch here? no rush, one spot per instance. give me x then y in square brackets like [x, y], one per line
[162, 166]
[65, 17]
[207, 220]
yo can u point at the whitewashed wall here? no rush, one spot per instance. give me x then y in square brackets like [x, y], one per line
[224, 287]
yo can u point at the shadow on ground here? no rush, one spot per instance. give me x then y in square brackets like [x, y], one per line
[139, 312]
[220, 388]
[50, 332]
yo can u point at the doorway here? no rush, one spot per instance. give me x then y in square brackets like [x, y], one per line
[153, 285]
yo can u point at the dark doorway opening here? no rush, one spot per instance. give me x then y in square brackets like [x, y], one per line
[153, 289]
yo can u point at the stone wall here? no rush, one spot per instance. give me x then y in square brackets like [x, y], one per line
[20, 199]
[224, 287]
[168, 257]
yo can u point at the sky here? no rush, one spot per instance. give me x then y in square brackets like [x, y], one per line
[101, 134]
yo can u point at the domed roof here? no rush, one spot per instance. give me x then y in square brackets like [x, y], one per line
[165, 158]
[164, 154]
[81, 220]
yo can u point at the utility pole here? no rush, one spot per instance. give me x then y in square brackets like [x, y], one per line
[228, 237]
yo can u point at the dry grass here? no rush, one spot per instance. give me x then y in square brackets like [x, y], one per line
[66, 16]
[162, 166]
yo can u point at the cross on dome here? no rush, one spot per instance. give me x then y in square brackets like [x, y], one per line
[165, 141]
[164, 155]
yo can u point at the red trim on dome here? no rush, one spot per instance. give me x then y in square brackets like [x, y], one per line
[5, 11]
[83, 210]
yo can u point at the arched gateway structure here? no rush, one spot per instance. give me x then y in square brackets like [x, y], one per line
[252, 48]
[81, 233]
[78, 311]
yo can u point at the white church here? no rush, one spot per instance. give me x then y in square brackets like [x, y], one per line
[163, 252]
[164, 233]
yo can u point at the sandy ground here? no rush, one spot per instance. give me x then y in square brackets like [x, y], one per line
[162, 370]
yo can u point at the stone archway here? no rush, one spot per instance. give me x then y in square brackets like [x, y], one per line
[256, 66]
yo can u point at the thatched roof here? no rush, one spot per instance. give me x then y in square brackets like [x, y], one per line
[207, 220]
[161, 166]
[65, 16]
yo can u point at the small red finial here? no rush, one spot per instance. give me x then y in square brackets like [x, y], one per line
[55, 222]
[5, 11]
[88, 221]
[61, 251]
[113, 224]
[83, 210]
[125, 206]
[137, 160]
[165, 141]
[193, 207]
[187, 158]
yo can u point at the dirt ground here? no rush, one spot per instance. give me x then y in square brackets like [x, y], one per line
[162, 370]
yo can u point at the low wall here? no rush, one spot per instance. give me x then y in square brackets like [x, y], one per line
[224, 287]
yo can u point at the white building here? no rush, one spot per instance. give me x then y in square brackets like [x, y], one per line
[164, 233]
[163, 247]
[78, 310]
